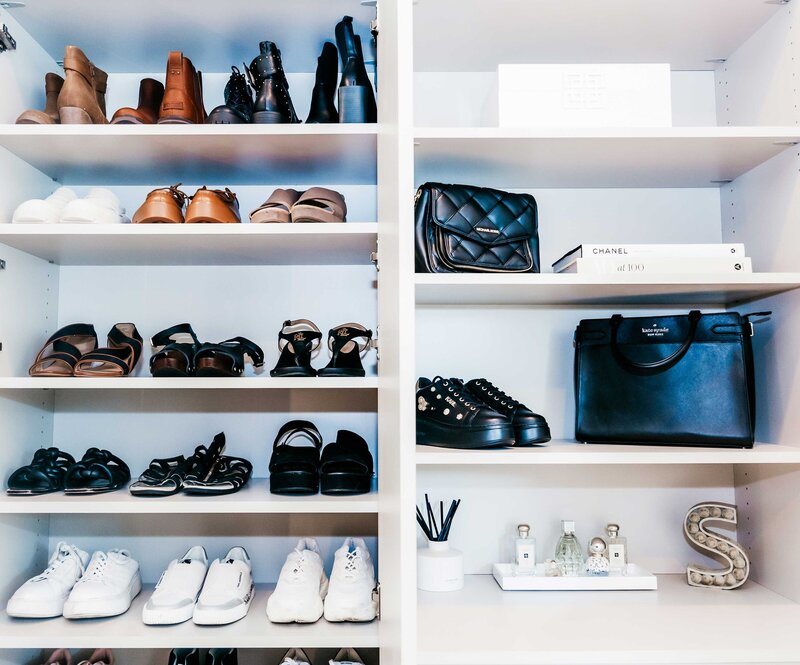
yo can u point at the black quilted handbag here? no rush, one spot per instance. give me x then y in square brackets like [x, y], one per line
[460, 228]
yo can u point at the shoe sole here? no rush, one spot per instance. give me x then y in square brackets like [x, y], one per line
[210, 616]
[344, 484]
[166, 617]
[106, 607]
[293, 483]
[269, 118]
[30, 609]
[277, 615]
[361, 614]
[532, 436]
[433, 434]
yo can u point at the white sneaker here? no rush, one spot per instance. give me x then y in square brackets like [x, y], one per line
[177, 590]
[107, 588]
[99, 206]
[44, 211]
[44, 595]
[227, 592]
[301, 587]
[296, 657]
[350, 595]
[347, 657]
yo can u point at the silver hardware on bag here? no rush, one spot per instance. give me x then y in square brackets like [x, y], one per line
[7, 42]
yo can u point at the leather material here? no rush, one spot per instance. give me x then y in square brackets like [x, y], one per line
[183, 93]
[354, 69]
[151, 94]
[272, 89]
[672, 380]
[84, 86]
[213, 206]
[238, 101]
[461, 228]
[323, 109]
[162, 206]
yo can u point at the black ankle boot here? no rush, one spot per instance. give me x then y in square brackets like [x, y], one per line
[238, 107]
[273, 103]
[323, 108]
[356, 97]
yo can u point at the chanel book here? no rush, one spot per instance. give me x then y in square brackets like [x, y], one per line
[679, 251]
[663, 266]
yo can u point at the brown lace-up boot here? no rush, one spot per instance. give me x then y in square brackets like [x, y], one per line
[80, 96]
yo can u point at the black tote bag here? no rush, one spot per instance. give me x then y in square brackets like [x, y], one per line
[671, 380]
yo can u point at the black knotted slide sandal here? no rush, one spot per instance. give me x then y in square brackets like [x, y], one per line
[163, 477]
[294, 469]
[298, 341]
[348, 343]
[175, 349]
[227, 358]
[346, 465]
[45, 473]
[98, 471]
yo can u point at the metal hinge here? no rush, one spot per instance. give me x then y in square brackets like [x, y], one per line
[7, 42]
[2, 264]
[376, 596]
[373, 257]
[373, 27]
[376, 343]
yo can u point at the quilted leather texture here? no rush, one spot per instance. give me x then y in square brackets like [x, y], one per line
[464, 228]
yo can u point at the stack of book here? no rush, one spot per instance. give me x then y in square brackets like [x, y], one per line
[655, 259]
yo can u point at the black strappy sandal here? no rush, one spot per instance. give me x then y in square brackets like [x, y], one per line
[62, 351]
[45, 473]
[98, 471]
[294, 469]
[229, 475]
[347, 350]
[163, 477]
[346, 465]
[118, 358]
[204, 461]
[298, 341]
[175, 351]
[227, 358]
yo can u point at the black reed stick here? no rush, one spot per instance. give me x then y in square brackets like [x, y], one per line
[437, 532]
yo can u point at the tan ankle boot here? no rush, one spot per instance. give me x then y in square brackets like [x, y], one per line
[100, 82]
[52, 86]
[78, 100]
[183, 102]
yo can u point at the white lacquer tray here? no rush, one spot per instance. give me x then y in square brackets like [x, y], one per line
[636, 579]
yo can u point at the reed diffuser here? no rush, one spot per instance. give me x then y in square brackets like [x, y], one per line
[439, 567]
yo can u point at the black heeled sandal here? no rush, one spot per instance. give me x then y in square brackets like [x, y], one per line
[298, 341]
[98, 471]
[119, 358]
[227, 358]
[347, 350]
[294, 470]
[163, 477]
[175, 351]
[346, 465]
[45, 473]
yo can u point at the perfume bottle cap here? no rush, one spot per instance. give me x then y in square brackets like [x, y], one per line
[523, 530]
[597, 546]
[612, 530]
[568, 526]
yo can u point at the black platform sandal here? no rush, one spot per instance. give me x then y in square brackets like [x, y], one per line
[294, 469]
[163, 477]
[175, 349]
[346, 465]
[298, 341]
[347, 350]
[118, 358]
[45, 473]
[98, 471]
[227, 358]
[62, 351]
[228, 475]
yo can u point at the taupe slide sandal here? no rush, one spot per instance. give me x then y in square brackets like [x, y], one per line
[319, 205]
[276, 208]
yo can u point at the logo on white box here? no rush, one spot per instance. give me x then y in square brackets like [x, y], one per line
[584, 91]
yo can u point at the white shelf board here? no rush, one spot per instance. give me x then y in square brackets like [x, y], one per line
[685, 33]
[676, 624]
[573, 289]
[195, 244]
[161, 155]
[572, 453]
[253, 499]
[128, 632]
[585, 158]
[188, 383]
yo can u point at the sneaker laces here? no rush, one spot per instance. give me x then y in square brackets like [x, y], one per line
[97, 567]
[456, 393]
[495, 393]
[59, 558]
[298, 568]
[351, 564]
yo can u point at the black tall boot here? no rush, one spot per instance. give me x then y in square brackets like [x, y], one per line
[356, 97]
[273, 103]
[323, 108]
[363, 77]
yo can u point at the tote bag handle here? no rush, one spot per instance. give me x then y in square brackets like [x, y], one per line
[664, 363]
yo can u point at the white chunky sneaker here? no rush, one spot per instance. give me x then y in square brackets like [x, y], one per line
[44, 595]
[227, 591]
[107, 588]
[44, 211]
[350, 595]
[301, 587]
[296, 657]
[99, 206]
[177, 590]
[347, 657]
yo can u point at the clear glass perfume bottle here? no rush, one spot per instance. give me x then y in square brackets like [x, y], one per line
[617, 549]
[569, 554]
[526, 551]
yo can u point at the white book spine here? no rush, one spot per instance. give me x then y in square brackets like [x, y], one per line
[654, 266]
[719, 250]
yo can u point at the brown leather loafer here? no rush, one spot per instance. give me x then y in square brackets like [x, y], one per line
[213, 206]
[52, 86]
[79, 102]
[151, 94]
[183, 93]
[162, 206]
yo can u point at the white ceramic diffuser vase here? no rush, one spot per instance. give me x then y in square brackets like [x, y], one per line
[439, 567]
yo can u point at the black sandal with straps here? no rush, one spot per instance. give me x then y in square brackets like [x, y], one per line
[163, 477]
[227, 358]
[176, 348]
[98, 471]
[298, 340]
[62, 351]
[45, 473]
[118, 358]
[346, 465]
[347, 343]
[294, 469]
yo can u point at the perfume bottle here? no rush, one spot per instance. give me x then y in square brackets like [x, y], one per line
[617, 549]
[569, 554]
[526, 551]
[597, 564]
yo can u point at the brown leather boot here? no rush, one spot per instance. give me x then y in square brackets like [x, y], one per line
[78, 100]
[100, 82]
[183, 97]
[52, 86]
[213, 206]
[151, 94]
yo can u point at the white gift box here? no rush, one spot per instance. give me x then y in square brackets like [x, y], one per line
[584, 95]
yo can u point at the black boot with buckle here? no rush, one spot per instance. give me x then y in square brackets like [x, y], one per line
[238, 108]
[273, 103]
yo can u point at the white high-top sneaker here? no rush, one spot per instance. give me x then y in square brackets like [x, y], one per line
[107, 588]
[301, 587]
[44, 595]
[350, 595]
[44, 211]
[99, 206]
[347, 657]
[177, 590]
[227, 591]
[296, 657]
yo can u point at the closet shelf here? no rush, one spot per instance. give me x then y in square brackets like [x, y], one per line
[190, 383]
[676, 624]
[253, 499]
[160, 155]
[573, 453]
[572, 289]
[128, 632]
[195, 244]
[585, 158]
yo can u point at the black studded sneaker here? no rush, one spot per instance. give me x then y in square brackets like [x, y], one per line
[448, 418]
[530, 428]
